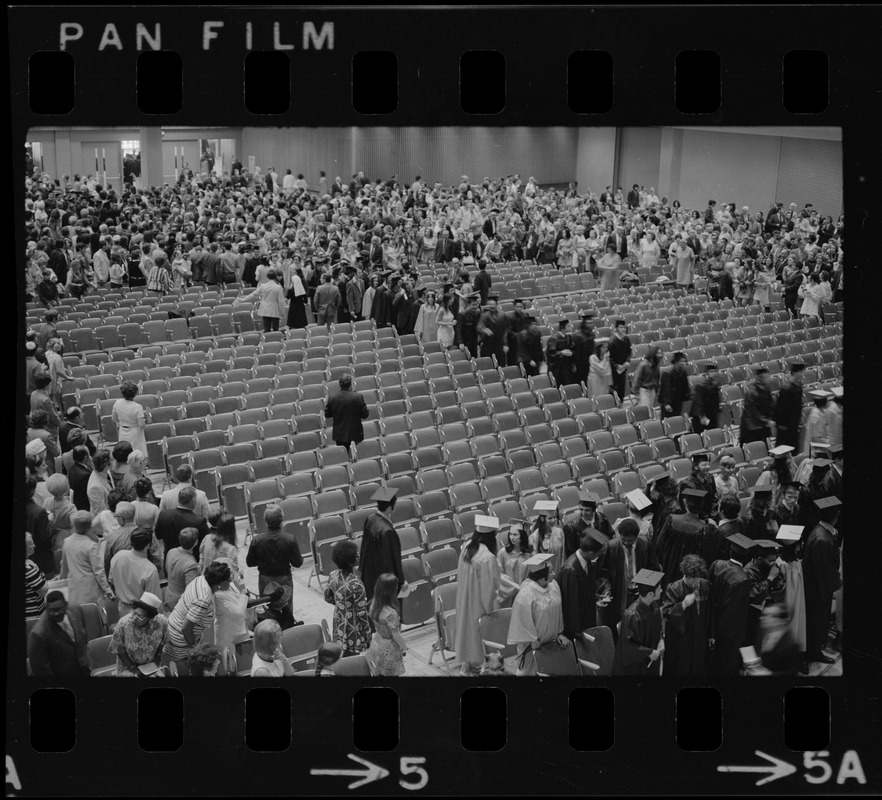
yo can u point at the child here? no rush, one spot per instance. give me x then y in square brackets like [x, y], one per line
[387, 645]
[117, 274]
[329, 653]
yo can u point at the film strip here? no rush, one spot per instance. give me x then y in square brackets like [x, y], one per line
[222, 68]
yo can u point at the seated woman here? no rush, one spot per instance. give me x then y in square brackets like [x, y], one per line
[139, 638]
[329, 653]
[269, 661]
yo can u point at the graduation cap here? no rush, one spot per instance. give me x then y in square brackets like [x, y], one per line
[836, 450]
[836, 391]
[796, 365]
[767, 545]
[781, 451]
[760, 491]
[545, 507]
[563, 323]
[658, 478]
[493, 297]
[821, 463]
[788, 534]
[596, 537]
[820, 394]
[791, 485]
[588, 499]
[538, 563]
[384, 495]
[818, 447]
[698, 494]
[482, 521]
[638, 500]
[828, 502]
[699, 456]
[741, 541]
[648, 579]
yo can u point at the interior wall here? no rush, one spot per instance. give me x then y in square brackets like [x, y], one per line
[190, 156]
[302, 150]
[728, 167]
[595, 159]
[639, 158]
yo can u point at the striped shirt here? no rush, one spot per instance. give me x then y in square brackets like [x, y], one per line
[197, 605]
[34, 581]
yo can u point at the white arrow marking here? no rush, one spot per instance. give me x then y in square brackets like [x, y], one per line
[778, 768]
[372, 773]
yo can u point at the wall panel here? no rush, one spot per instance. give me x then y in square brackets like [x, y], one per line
[639, 155]
[811, 172]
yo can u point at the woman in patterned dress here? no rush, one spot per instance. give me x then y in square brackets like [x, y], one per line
[387, 645]
[346, 592]
[140, 636]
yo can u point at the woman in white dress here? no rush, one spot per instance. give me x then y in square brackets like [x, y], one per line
[426, 326]
[445, 324]
[129, 417]
[599, 370]
[649, 250]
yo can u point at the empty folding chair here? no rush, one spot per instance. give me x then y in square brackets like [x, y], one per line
[266, 468]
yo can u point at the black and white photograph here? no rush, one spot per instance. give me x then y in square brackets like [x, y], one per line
[434, 401]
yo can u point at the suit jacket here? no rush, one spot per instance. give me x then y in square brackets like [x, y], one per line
[610, 568]
[673, 387]
[53, 653]
[489, 228]
[170, 524]
[78, 477]
[621, 245]
[348, 410]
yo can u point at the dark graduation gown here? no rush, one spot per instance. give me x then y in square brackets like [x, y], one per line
[381, 308]
[730, 603]
[611, 577]
[820, 566]
[761, 590]
[577, 591]
[705, 403]
[788, 415]
[467, 330]
[639, 635]
[662, 508]
[706, 484]
[497, 324]
[583, 349]
[380, 552]
[687, 629]
[529, 348]
[680, 535]
[516, 323]
[560, 366]
[572, 531]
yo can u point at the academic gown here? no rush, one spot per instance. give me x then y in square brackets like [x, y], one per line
[687, 629]
[730, 600]
[572, 531]
[380, 552]
[467, 330]
[381, 309]
[788, 415]
[820, 561]
[640, 634]
[761, 591]
[477, 585]
[612, 577]
[536, 616]
[577, 589]
[683, 534]
[792, 595]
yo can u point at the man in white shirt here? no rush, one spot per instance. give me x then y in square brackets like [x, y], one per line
[288, 182]
[132, 573]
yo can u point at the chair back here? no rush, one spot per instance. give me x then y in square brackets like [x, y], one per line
[494, 633]
[601, 651]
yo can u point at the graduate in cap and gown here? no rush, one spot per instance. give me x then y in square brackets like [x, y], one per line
[792, 594]
[578, 586]
[467, 326]
[513, 551]
[477, 591]
[815, 430]
[730, 605]
[380, 545]
[779, 472]
[537, 614]
[821, 560]
[788, 407]
[682, 534]
[530, 354]
[765, 580]
[381, 308]
[546, 536]
[619, 560]
[517, 321]
[493, 331]
[641, 643]
[588, 517]
[701, 479]
[705, 411]
[559, 352]
[686, 609]
[665, 496]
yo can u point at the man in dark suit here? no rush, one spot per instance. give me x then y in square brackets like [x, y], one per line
[78, 477]
[170, 523]
[483, 282]
[490, 225]
[57, 642]
[444, 248]
[211, 266]
[73, 420]
[788, 408]
[618, 563]
[348, 410]
[576, 581]
[617, 239]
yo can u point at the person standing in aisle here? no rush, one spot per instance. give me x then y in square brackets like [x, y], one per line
[348, 409]
[641, 643]
[705, 411]
[620, 352]
[380, 545]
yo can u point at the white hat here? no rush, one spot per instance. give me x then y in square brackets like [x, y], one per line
[790, 533]
[537, 562]
[546, 506]
[638, 499]
[482, 521]
[150, 599]
[836, 391]
[35, 447]
[781, 450]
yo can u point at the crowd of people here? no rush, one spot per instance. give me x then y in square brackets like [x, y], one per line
[683, 582]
